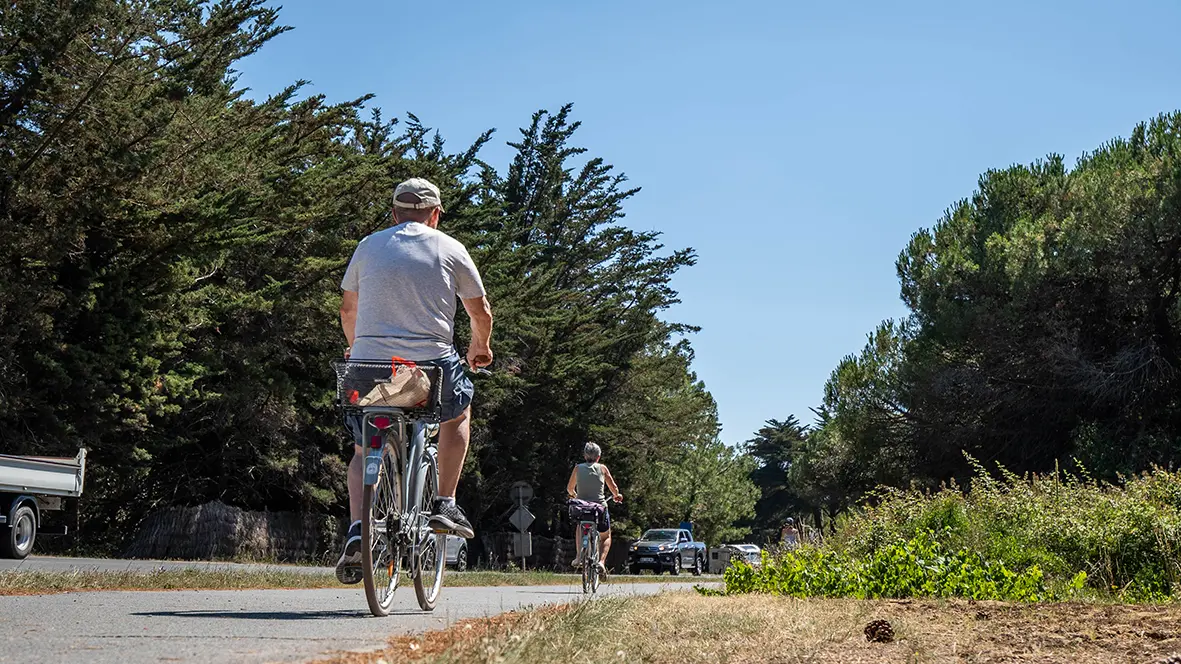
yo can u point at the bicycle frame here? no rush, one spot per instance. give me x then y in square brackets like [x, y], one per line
[399, 474]
[588, 536]
[589, 543]
[406, 440]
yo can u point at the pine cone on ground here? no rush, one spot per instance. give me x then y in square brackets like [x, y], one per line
[1172, 659]
[879, 631]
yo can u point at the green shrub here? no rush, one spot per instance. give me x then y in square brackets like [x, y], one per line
[922, 566]
[1010, 537]
[1126, 536]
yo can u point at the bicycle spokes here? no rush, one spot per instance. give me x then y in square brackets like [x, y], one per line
[430, 548]
[381, 557]
[427, 556]
[383, 567]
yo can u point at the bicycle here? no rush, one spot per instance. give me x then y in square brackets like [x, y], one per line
[587, 531]
[401, 481]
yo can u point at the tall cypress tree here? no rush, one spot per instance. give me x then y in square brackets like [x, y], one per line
[170, 254]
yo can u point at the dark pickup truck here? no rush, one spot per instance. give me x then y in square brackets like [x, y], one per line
[671, 549]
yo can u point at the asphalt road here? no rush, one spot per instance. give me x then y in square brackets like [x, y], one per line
[132, 627]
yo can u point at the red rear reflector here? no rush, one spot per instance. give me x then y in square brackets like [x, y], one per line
[375, 442]
[382, 422]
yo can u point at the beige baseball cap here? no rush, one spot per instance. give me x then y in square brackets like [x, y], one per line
[426, 191]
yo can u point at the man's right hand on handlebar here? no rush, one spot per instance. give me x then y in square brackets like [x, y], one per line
[479, 356]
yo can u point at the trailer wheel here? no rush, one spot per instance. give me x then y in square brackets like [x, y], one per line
[22, 532]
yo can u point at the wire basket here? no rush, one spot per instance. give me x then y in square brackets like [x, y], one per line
[358, 377]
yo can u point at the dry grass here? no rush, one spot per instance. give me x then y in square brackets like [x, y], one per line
[21, 582]
[684, 628]
[40, 583]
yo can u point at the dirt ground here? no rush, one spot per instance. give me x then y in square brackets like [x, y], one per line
[683, 628]
[997, 632]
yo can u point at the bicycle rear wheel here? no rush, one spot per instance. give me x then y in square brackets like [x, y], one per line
[596, 575]
[586, 550]
[380, 558]
[430, 551]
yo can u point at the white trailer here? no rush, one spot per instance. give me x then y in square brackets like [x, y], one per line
[30, 486]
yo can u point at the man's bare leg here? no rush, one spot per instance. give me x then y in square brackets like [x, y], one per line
[453, 443]
[446, 516]
[356, 483]
[606, 546]
[348, 568]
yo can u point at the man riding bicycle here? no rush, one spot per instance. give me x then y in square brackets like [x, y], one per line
[587, 482]
[398, 300]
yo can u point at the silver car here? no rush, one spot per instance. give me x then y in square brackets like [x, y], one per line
[456, 552]
[749, 552]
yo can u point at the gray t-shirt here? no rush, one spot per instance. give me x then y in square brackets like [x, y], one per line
[406, 279]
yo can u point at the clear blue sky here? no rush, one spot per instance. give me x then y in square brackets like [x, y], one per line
[795, 146]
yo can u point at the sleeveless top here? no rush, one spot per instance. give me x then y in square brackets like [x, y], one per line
[589, 484]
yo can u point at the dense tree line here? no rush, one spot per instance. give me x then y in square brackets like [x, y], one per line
[170, 254]
[1044, 329]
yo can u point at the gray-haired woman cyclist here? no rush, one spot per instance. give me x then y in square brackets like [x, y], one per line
[588, 482]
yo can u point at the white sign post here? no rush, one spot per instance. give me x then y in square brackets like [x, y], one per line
[522, 518]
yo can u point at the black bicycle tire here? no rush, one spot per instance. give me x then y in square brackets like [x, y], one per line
[596, 575]
[376, 606]
[425, 602]
[586, 568]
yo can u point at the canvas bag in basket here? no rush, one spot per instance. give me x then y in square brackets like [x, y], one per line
[409, 387]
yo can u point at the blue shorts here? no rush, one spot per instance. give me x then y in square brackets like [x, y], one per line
[457, 387]
[456, 395]
[605, 520]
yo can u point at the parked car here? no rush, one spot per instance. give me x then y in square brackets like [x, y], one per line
[751, 553]
[671, 549]
[29, 487]
[456, 552]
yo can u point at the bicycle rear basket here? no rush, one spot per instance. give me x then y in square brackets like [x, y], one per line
[356, 378]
